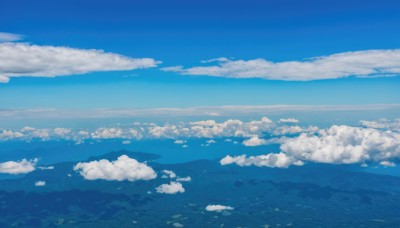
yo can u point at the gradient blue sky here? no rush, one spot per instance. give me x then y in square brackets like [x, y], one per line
[186, 32]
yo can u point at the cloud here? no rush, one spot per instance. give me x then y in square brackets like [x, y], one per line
[23, 59]
[287, 130]
[393, 125]
[211, 129]
[40, 183]
[254, 141]
[184, 179]
[218, 208]
[19, 167]
[9, 37]
[46, 167]
[344, 145]
[280, 160]
[124, 168]
[8, 134]
[387, 163]
[171, 188]
[289, 120]
[169, 174]
[368, 64]
[50, 113]
[180, 141]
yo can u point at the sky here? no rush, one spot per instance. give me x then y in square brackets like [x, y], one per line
[156, 53]
[319, 78]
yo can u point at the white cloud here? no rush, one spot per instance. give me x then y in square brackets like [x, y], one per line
[211, 141]
[46, 167]
[50, 113]
[218, 208]
[9, 37]
[289, 120]
[272, 160]
[387, 163]
[369, 63]
[285, 130]
[4, 79]
[124, 168]
[211, 129]
[344, 145]
[184, 179]
[180, 141]
[254, 141]
[8, 134]
[23, 59]
[169, 174]
[171, 188]
[393, 125]
[19, 167]
[40, 183]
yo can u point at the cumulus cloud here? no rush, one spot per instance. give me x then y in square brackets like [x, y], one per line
[124, 168]
[9, 37]
[171, 188]
[218, 208]
[211, 129]
[285, 130]
[40, 183]
[19, 167]
[344, 145]
[280, 160]
[169, 174]
[254, 141]
[8, 134]
[202, 129]
[23, 59]
[369, 63]
[393, 125]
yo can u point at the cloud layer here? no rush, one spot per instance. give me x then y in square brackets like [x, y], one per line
[138, 130]
[22, 59]
[369, 63]
[48, 113]
[124, 168]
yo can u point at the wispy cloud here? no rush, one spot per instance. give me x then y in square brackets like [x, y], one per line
[22, 59]
[9, 37]
[369, 63]
[189, 111]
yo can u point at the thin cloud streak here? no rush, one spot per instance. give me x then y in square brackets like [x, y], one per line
[189, 111]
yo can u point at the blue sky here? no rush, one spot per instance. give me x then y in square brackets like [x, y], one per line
[187, 32]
